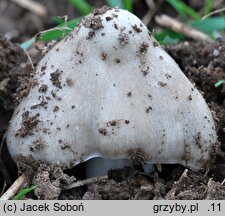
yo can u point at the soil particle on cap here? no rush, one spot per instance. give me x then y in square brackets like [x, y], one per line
[148, 109]
[103, 56]
[145, 71]
[136, 28]
[102, 131]
[144, 47]
[112, 123]
[198, 140]
[155, 44]
[41, 104]
[69, 82]
[43, 68]
[124, 39]
[187, 152]
[162, 84]
[138, 155]
[93, 22]
[115, 26]
[168, 76]
[117, 61]
[43, 88]
[29, 123]
[129, 94]
[190, 97]
[90, 35]
[37, 146]
[55, 109]
[108, 18]
[63, 144]
[102, 10]
[127, 121]
[55, 78]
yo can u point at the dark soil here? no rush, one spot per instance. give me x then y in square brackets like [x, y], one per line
[203, 63]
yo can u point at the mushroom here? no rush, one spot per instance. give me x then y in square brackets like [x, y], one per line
[109, 90]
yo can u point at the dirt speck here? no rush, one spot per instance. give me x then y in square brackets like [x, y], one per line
[148, 109]
[108, 18]
[55, 109]
[144, 47]
[117, 61]
[43, 88]
[145, 71]
[155, 44]
[198, 140]
[37, 145]
[103, 56]
[162, 84]
[90, 35]
[29, 123]
[69, 82]
[136, 28]
[124, 39]
[129, 94]
[93, 22]
[190, 97]
[54, 77]
[112, 123]
[115, 26]
[102, 131]
[138, 155]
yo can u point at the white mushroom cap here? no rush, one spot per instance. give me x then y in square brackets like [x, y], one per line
[110, 90]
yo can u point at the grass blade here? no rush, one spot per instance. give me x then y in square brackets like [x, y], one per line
[208, 6]
[59, 31]
[210, 24]
[128, 5]
[25, 45]
[220, 82]
[168, 36]
[58, 20]
[24, 192]
[183, 9]
[115, 3]
[82, 5]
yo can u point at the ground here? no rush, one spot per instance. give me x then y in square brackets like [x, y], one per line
[203, 63]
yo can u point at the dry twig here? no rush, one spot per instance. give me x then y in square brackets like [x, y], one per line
[32, 6]
[15, 187]
[153, 8]
[85, 182]
[213, 12]
[177, 26]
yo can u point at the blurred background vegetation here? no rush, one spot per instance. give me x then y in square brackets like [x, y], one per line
[54, 19]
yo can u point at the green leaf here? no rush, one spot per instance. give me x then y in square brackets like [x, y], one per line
[59, 31]
[83, 6]
[24, 192]
[116, 3]
[58, 20]
[168, 36]
[183, 9]
[208, 6]
[220, 82]
[210, 24]
[128, 5]
[25, 45]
